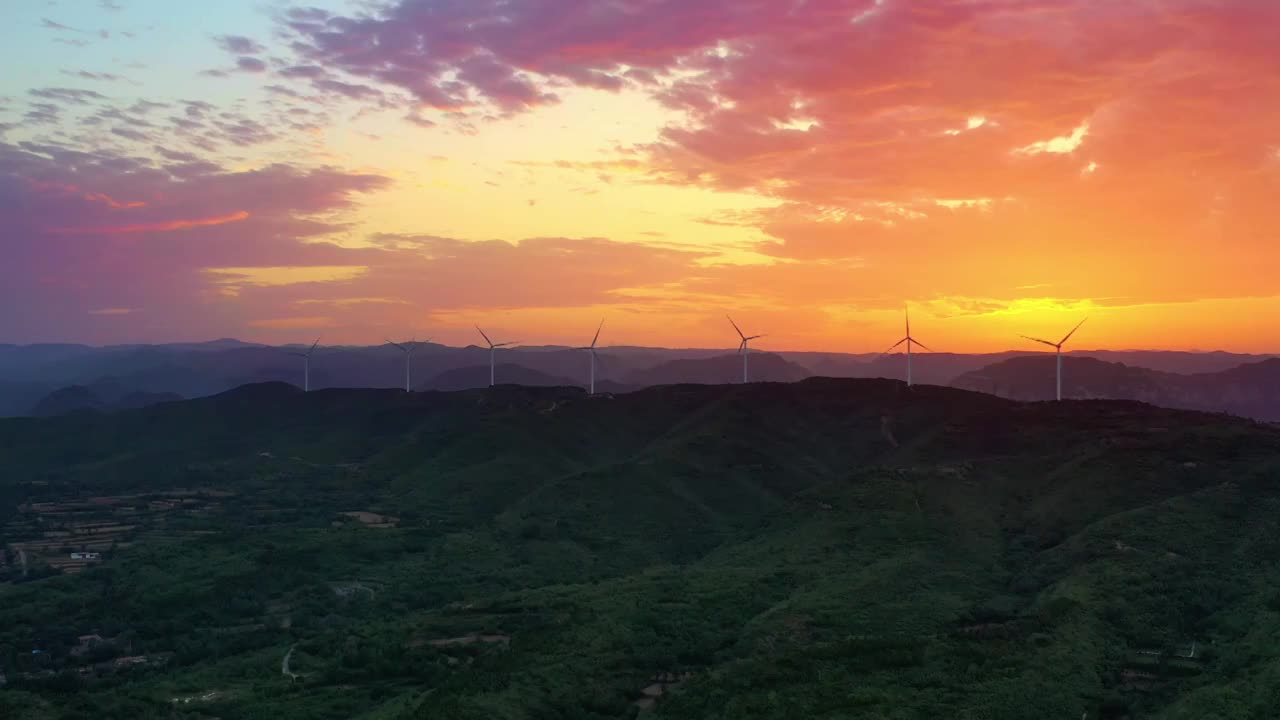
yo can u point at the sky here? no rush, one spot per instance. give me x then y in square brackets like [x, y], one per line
[354, 170]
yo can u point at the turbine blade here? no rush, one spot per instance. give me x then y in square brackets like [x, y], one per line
[1073, 332]
[735, 327]
[313, 346]
[486, 337]
[598, 329]
[893, 347]
[754, 337]
[907, 312]
[1046, 342]
[926, 347]
[392, 342]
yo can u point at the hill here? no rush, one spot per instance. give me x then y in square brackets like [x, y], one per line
[99, 398]
[477, 376]
[829, 548]
[1249, 390]
[66, 400]
[763, 367]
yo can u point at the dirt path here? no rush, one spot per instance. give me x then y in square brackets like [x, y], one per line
[284, 664]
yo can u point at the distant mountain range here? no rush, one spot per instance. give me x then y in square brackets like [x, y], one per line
[78, 398]
[1249, 390]
[29, 374]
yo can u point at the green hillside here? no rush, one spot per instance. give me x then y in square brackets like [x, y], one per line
[829, 549]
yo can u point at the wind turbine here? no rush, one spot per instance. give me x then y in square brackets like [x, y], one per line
[306, 365]
[492, 348]
[591, 349]
[743, 348]
[407, 349]
[909, 341]
[1058, 346]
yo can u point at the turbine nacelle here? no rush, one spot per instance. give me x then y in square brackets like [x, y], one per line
[309, 352]
[1058, 347]
[591, 388]
[910, 341]
[306, 365]
[492, 344]
[407, 349]
[743, 348]
[493, 347]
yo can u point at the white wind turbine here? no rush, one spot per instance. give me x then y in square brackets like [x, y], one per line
[1058, 346]
[743, 348]
[492, 347]
[407, 349]
[909, 341]
[591, 349]
[306, 365]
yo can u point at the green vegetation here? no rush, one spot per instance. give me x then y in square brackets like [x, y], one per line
[828, 549]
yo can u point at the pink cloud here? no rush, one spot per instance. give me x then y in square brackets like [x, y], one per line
[165, 226]
[272, 228]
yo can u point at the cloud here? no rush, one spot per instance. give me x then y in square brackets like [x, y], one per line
[88, 75]
[93, 231]
[274, 276]
[885, 131]
[165, 226]
[250, 64]
[131, 134]
[111, 311]
[57, 26]
[71, 96]
[1059, 145]
[293, 323]
[239, 45]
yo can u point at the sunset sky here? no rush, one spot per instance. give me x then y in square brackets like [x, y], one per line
[274, 171]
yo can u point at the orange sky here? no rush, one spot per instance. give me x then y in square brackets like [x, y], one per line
[809, 167]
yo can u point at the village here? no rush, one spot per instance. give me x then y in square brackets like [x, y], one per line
[70, 535]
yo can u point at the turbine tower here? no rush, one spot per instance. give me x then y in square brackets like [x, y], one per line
[492, 347]
[909, 341]
[1058, 346]
[407, 349]
[743, 348]
[591, 349]
[306, 365]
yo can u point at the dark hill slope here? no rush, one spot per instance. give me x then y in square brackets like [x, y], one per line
[823, 549]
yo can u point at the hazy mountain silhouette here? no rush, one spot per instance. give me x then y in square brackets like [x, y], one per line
[74, 398]
[1250, 390]
[29, 372]
[477, 376]
[764, 367]
[78, 398]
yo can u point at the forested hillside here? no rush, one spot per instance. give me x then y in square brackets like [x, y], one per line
[823, 549]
